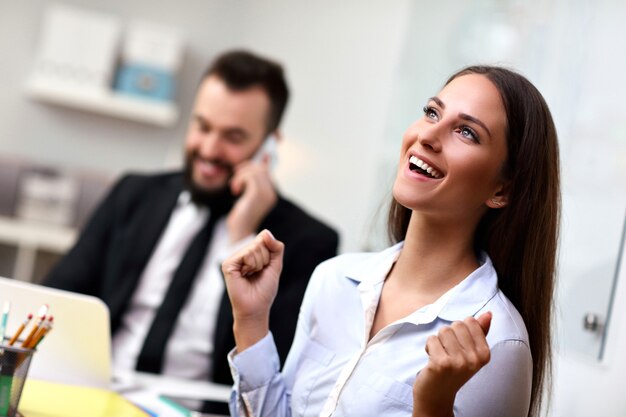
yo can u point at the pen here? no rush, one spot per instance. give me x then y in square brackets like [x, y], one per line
[20, 329]
[5, 318]
[42, 316]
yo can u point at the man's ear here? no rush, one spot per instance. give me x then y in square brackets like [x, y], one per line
[500, 198]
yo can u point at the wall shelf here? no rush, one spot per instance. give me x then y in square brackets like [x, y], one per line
[103, 101]
[33, 243]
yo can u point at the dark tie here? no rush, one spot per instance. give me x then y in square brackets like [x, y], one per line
[153, 350]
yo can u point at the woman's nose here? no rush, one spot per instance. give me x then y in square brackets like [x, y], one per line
[429, 137]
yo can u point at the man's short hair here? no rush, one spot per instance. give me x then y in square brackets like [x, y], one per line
[241, 70]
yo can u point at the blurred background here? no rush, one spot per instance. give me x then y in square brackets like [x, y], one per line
[94, 89]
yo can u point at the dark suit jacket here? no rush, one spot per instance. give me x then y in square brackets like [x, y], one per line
[117, 242]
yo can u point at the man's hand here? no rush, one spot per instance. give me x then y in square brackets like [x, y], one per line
[253, 186]
[251, 277]
[455, 355]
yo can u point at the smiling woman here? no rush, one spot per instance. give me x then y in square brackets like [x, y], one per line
[520, 239]
[454, 319]
[462, 138]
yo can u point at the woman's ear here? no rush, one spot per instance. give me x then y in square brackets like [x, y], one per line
[500, 198]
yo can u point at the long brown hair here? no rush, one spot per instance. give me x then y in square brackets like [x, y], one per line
[521, 238]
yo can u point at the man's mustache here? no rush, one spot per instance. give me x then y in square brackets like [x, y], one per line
[218, 162]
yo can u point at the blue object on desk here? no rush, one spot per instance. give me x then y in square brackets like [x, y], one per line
[178, 407]
[145, 81]
[150, 412]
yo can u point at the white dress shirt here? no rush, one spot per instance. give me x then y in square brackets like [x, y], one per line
[334, 369]
[188, 351]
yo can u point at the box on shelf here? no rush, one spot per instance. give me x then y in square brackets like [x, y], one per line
[77, 47]
[150, 59]
[48, 197]
[145, 81]
[81, 63]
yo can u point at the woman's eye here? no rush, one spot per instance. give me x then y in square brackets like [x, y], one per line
[469, 133]
[430, 113]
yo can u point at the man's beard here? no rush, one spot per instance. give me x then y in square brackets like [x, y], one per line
[204, 197]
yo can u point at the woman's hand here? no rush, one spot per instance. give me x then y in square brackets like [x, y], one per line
[455, 355]
[251, 277]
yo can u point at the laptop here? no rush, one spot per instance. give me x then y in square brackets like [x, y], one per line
[77, 350]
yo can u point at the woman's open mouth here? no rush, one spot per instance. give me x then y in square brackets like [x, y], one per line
[421, 167]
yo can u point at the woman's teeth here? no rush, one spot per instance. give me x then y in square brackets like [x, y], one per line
[423, 167]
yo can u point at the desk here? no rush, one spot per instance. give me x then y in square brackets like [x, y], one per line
[46, 399]
[128, 383]
[49, 399]
[145, 389]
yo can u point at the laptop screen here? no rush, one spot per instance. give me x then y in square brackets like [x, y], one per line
[78, 348]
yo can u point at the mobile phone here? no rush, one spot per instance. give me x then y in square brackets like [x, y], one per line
[268, 147]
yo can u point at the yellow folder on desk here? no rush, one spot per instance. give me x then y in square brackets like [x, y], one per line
[47, 399]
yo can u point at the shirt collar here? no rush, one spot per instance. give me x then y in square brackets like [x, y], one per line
[184, 198]
[375, 269]
[471, 294]
[185, 203]
[461, 301]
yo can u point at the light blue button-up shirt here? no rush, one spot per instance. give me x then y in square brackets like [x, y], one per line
[334, 370]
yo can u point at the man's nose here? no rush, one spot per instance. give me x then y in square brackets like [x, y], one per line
[210, 145]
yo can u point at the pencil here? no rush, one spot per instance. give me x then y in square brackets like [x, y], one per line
[44, 334]
[20, 329]
[42, 316]
[43, 329]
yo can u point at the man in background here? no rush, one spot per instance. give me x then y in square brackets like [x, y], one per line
[153, 248]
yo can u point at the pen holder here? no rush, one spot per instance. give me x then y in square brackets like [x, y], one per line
[14, 364]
